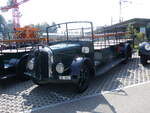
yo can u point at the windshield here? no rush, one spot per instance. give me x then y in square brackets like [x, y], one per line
[70, 31]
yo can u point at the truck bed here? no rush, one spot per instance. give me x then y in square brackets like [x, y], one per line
[105, 44]
[25, 49]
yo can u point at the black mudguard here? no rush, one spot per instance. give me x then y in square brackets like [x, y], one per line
[77, 63]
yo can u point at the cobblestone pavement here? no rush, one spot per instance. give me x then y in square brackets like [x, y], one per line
[17, 96]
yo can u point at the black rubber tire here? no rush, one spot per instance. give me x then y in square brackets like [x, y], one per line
[143, 60]
[37, 83]
[128, 55]
[20, 69]
[84, 80]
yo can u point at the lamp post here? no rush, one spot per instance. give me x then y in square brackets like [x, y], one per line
[120, 8]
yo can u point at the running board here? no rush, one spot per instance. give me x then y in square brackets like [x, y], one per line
[104, 68]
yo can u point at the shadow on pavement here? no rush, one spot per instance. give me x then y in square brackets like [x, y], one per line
[97, 104]
[14, 86]
[33, 96]
[120, 76]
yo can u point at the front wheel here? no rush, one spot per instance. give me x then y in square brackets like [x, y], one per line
[84, 79]
[143, 60]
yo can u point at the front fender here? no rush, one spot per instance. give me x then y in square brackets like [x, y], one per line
[142, 50]
[76, 65]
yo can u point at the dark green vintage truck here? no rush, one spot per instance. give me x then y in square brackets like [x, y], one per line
[13, 62]
[144, 52]
[74, 54]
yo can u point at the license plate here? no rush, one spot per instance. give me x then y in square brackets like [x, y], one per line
[65, 77]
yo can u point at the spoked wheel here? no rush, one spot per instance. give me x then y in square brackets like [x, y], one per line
[84, 79]
[143, 60]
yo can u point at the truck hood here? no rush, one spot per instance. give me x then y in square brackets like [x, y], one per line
[65, 52]
[64, 46]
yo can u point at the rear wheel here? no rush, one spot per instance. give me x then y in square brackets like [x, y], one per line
[21, 67]
[84, 78]
[128, 55]
[143, 60]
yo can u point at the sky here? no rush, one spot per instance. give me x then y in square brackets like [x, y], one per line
[100, 12]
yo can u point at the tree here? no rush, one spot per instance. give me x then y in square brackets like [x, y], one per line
[10, 26]
[131, 31]
[42, 27]
[3, 27]
[138, 36]
[54, 28]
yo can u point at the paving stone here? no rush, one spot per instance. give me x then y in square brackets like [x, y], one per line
[16, 96]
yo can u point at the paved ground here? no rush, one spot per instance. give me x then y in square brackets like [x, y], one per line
[16, 96]
[128, 100]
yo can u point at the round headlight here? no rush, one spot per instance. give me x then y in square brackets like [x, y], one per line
[60, 68]
[30, 64]
[147, 47]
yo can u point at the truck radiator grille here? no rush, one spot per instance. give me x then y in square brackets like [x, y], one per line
[41, 66]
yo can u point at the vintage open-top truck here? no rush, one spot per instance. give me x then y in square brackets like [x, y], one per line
[75, 54]
[144, 52]
[12, 63]
[14, 53]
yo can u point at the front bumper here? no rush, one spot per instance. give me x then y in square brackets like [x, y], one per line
[145, 54]
[55, 79]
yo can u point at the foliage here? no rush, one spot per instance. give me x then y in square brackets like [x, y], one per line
[3, 27]
[2, 23]
[131, 31]
[10, 26]
[138, 36]
[42, 27]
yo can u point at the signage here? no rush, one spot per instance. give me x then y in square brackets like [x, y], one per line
[142, 30]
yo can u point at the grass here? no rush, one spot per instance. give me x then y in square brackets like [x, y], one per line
[136, 46]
